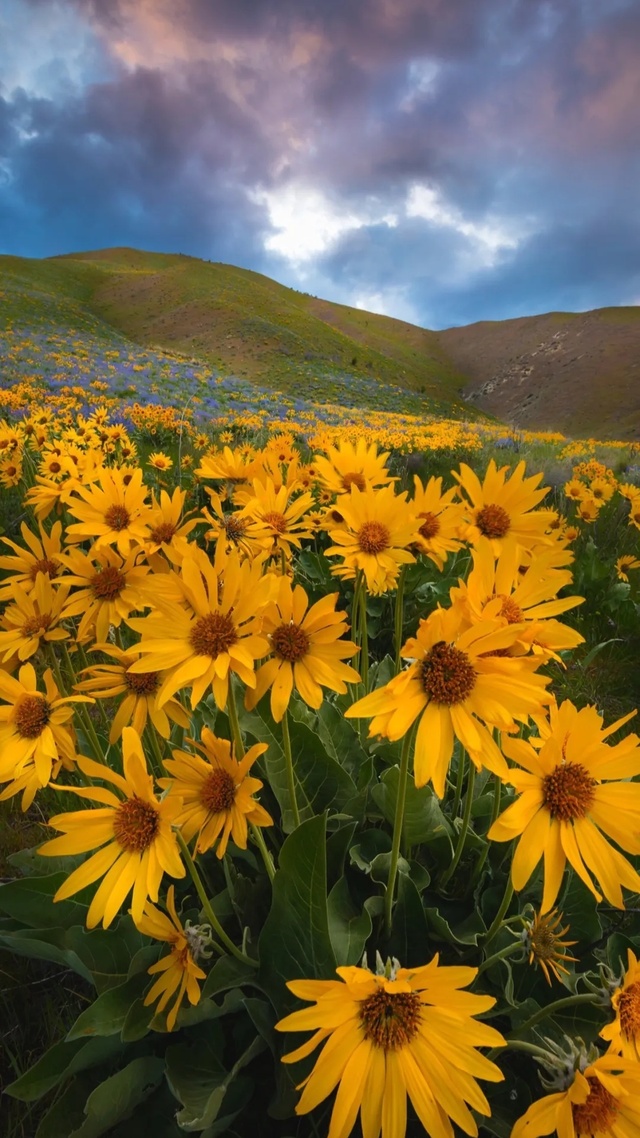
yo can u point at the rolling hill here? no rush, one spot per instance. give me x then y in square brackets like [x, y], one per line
[577, 373]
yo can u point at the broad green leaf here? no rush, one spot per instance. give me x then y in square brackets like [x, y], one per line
[337, 845]
[117, 1098]
[67, 1112]
[295, 941]
[60, 1061]
[30, 900]
[44, 944]
[464, 931]
[423, 820]
[227, 972]
[349, 929]
[409, 936]
[341, 741]
[371, 843]
[107, 1014]
[201, 1084]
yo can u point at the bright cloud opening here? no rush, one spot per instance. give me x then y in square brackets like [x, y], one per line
[492, 235]
[307, 223]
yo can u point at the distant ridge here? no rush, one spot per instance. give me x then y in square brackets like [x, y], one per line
[578, 373]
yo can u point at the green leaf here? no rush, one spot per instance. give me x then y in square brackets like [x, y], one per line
[366, 850]
[452, 931]
[107, 1014]
[295, 940]
[349, 929]
[423, 821]
[60, 1061]
[44, 944]
[409, 936]
[30, 900]
[342, 742]
[107, 953]
[226, 973]
[337, 845]
[200, 1082]
[117, 1098]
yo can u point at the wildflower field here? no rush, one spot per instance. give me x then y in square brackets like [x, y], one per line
[320, 809]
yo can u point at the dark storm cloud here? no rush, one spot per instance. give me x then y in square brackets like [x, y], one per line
[520, 115]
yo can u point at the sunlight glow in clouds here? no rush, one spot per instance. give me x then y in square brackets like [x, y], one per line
[492, 236]
[307, 223]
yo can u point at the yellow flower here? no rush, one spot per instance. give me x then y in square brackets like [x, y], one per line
[372, 531]
[110, 590]
[458, 683]
[168, 532]
[346, 465]
[113, 513]
[439, 519]
[623, 1035]
[228, 466]
[160, 461]
[134, 833]
[308, 653]
[575, 489]
[10, 472]
[589, 509]
[502, 508]
[32, 619]
[410, 1031]
[601, 1102]
[276, 519]
[602, 490]
[216, 793]
[140, 694]
[42, 556]
[571, 795]
[178, 973]
[35, 728]
[211, 630]
[634, 512]
[543, 941]
[234, 529]
[624, 563]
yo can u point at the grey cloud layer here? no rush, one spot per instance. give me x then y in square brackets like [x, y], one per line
[519, 113]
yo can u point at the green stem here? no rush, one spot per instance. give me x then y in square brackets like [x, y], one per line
[399, 618]
[364, 655]
[83, 714]
[530, 1048]
[207, 908]
[499, 917]
[464, 829]
[397, 829]
[258, 837]
[551, 1009]
[459, 782]
[158, 764]
[501, 955]
[288, 760]
[495, 810]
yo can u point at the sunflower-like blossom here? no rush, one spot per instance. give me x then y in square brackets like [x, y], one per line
[572, 798]
[601, 1101]
[231, 527]
[502, 508]
[406, 1032]
[307, 652]
[108, 681]
[109, 589]
[216, 793]
[35, 726]
[623, 1033]
[372, 531]
[113, 512]
[168, 530]
[228, 466]
[178, 973]
[214, 629]
[345, 465]
[440, 520]
[542, 937]
[459, 684]
[276, 518]
[131, 833]
[41, 555]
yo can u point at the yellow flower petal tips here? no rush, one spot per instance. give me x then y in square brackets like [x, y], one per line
[402, 1032]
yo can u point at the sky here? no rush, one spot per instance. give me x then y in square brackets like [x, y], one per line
[440, 161]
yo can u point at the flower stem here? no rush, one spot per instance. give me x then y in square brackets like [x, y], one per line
[459, 781]
[364, 637]
[551, 1009]
[288, 760]
[499, 917]
[495, 810]
[157, 753]
[501, 955]
[397, 829]
[399, 619]
[206, 905]
[464, 829]
[83, 714]
[239, 754]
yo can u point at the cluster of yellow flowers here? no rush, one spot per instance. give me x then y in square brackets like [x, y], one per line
[188, 603]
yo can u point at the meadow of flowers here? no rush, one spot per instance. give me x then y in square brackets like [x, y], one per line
[331, 837]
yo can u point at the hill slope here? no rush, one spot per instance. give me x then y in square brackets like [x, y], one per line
[574, 372]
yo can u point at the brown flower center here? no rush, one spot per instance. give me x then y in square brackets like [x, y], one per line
[290, 642]
[33, 713]
[568, 791]
[391, 1019]
[36, 625]
[629, 1011]
[276, 521]
[234, 527]
[117, 517]
[44, 565]
[163, 532]
[597, 1114]
[374, 537]
[512, 612]
[493, 521]
[54, 467]
[136, 824]
[107, 583]
[349, 480]
[430, 526]
[142, 683]
[213, 634]
[447, 674]
[218, 791]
